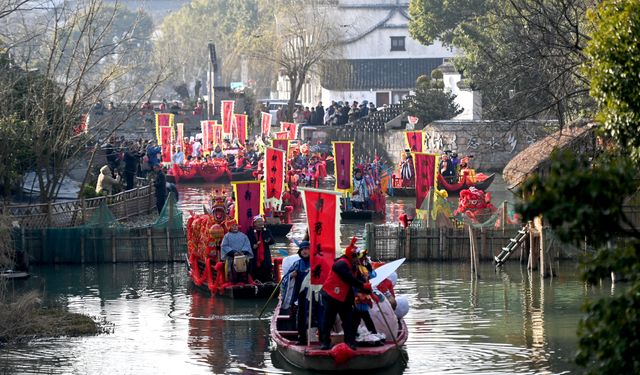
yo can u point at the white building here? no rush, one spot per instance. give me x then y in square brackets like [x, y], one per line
[380, 61]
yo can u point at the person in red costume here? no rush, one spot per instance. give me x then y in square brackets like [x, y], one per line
[338, 297]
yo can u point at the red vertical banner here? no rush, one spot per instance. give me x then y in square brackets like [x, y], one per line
[163, 119]
[265, 123]
[343, 159]
[282, 144]
[227, 115]
[180, 136]
[274, 169]
[249, 202]
[211, 130]
[241, 128]
[281, 135]
[323, 221]
[165, 143]
[217, 135]
[425, 165]
[414, 140]
[291, 128]
[206, 137]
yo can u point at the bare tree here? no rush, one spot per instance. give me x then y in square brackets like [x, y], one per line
[70, 59]
[303, 35]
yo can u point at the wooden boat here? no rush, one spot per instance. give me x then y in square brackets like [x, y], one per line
[243, 175]
[217, 171]
[231, 290]
[312, 358]
[355, 214]
[453, 188]
[279, 230]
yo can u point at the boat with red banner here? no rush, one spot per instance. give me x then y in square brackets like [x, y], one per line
[453, 186]
[215, 170]
[340, 357]
[206, 263]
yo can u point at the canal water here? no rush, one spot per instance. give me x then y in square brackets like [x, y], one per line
[506, 322]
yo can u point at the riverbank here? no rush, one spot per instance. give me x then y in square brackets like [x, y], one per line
[24, 318]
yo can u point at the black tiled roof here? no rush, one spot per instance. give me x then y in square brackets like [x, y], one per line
[375, 74]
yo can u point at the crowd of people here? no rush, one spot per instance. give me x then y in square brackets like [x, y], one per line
[337, 113]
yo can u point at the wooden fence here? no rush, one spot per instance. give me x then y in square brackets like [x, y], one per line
[441, 244]
[130, 203]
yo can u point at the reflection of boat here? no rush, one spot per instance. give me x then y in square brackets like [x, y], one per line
[452, 187]
[243, 175]
[312, 358]
[279, 230]
[206, 277]
[355, 214]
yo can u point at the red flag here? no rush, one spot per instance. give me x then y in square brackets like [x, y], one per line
[281, 135]
[291, 128]
[165, 143]
[217, 135]
[274, 169]
[323, 215]
[241, 128]
[227, 115]
[414, 140]
[266, 123]
[163, 119]
[180, 136]
[204, 128]
[210, 130]
[343, 159]
[425, 165]
[249, 201]
[282, 144]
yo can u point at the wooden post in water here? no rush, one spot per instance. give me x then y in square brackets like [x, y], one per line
[539, 228]
[167, 229]
[407, 242]
[368, 230]
[505, 215]
[149, 245]
[113, 246]
[473, 252]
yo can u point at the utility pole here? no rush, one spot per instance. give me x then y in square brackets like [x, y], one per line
[213, 66]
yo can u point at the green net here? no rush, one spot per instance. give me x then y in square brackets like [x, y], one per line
[103, 239]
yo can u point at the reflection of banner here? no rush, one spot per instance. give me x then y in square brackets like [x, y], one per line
[282, 144]
[281, 135]
[265, 123]
[323, 217]
[180, 136]
[291, 128]
[163, 119]
[217, 135]
[241, 128]
[425, 165]
[165, 143]
[227, 115]
[249, 201]
[343, 159]
[274, 169]
[414, 140]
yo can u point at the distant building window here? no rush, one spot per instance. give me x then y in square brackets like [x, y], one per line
[397, 43]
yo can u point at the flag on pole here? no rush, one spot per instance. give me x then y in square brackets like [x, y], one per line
[282, 144]
[291, 128]
[217, 134]
[266, 123]
[165, 143]
[425, 166]
[281, 135]
[323, 221]
[206, 137]
[274, 169]
[414, 140]
[241, 128]
[227, 115]
[343, 159]
[163, 119]
[249, 202]
[180, 136]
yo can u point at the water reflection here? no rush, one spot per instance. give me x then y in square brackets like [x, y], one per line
[503, 323]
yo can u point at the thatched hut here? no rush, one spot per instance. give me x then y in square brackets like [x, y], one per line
[578, 136]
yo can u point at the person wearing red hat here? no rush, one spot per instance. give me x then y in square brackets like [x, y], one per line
[338, 297]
